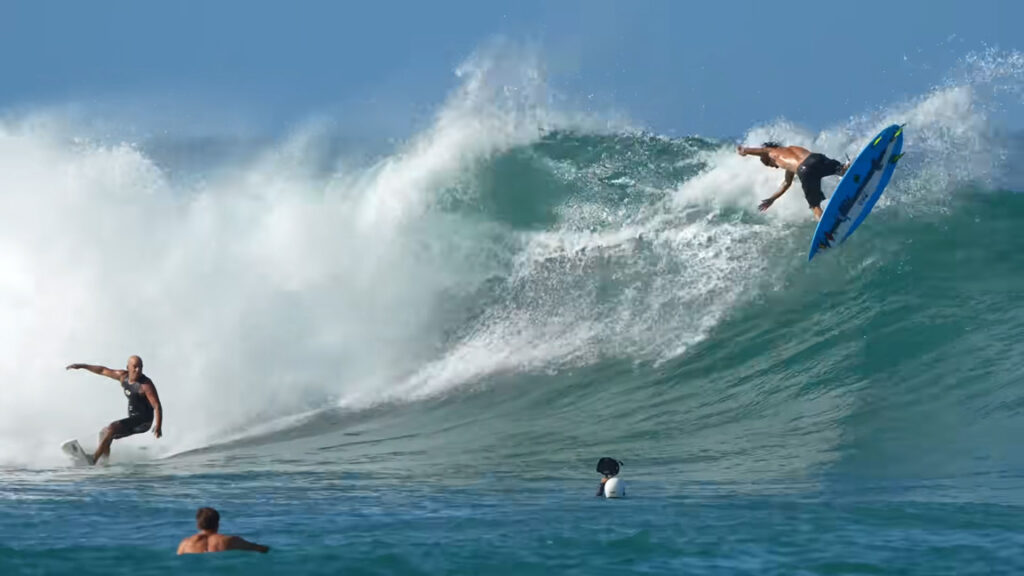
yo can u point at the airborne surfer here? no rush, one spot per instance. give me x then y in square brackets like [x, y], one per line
[144, 408]
[801, 162]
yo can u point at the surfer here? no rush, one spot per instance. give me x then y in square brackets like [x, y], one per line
[144, 409]
[809, 166]
[208, 540]
[608, 468]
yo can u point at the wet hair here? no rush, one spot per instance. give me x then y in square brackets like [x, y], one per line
[608, 466]
[208, 519]
[764, 155]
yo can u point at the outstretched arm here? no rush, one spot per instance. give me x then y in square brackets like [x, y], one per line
[750, 151]
[158, 409]
[101, 370]
[786, 183]
[239, 543]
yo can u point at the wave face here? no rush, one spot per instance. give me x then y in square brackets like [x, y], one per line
[517, 291]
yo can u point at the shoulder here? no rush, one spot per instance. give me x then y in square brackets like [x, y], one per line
[185, 543]
[222, 542]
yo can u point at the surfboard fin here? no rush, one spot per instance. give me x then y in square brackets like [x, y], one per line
[896, 158]
[897, 133]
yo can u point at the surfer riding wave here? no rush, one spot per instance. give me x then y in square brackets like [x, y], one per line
[797, 161]
[144, 408]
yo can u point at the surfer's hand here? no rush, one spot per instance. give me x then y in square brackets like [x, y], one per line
[741, 151]
[73, 366]
[158, 432]
[765, 204]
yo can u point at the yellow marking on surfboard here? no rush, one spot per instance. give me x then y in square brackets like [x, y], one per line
[896, 158]
[898, 132]
[877, 140]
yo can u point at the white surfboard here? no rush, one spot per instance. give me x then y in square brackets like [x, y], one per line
[74, 451]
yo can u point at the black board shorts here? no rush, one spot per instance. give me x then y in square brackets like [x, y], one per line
[811, 171]
[132, 425]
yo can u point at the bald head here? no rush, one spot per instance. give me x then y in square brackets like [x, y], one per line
[134, 368]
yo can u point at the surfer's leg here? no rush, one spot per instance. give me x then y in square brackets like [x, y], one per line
[107, 436]
[120, 429]
[810, 175]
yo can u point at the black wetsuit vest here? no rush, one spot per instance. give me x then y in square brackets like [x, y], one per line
[138, 404]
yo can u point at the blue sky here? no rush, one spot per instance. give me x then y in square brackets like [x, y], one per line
[677, 67]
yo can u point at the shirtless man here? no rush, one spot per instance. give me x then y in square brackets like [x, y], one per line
[144, 409]
[208, 540]
[809, 167]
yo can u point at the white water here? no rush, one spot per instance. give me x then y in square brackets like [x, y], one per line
[269, 288]
[262, 291]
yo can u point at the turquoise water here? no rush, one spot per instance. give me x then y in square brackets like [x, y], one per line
[412, 366]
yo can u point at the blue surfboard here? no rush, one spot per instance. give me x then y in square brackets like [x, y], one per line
[859, 189]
